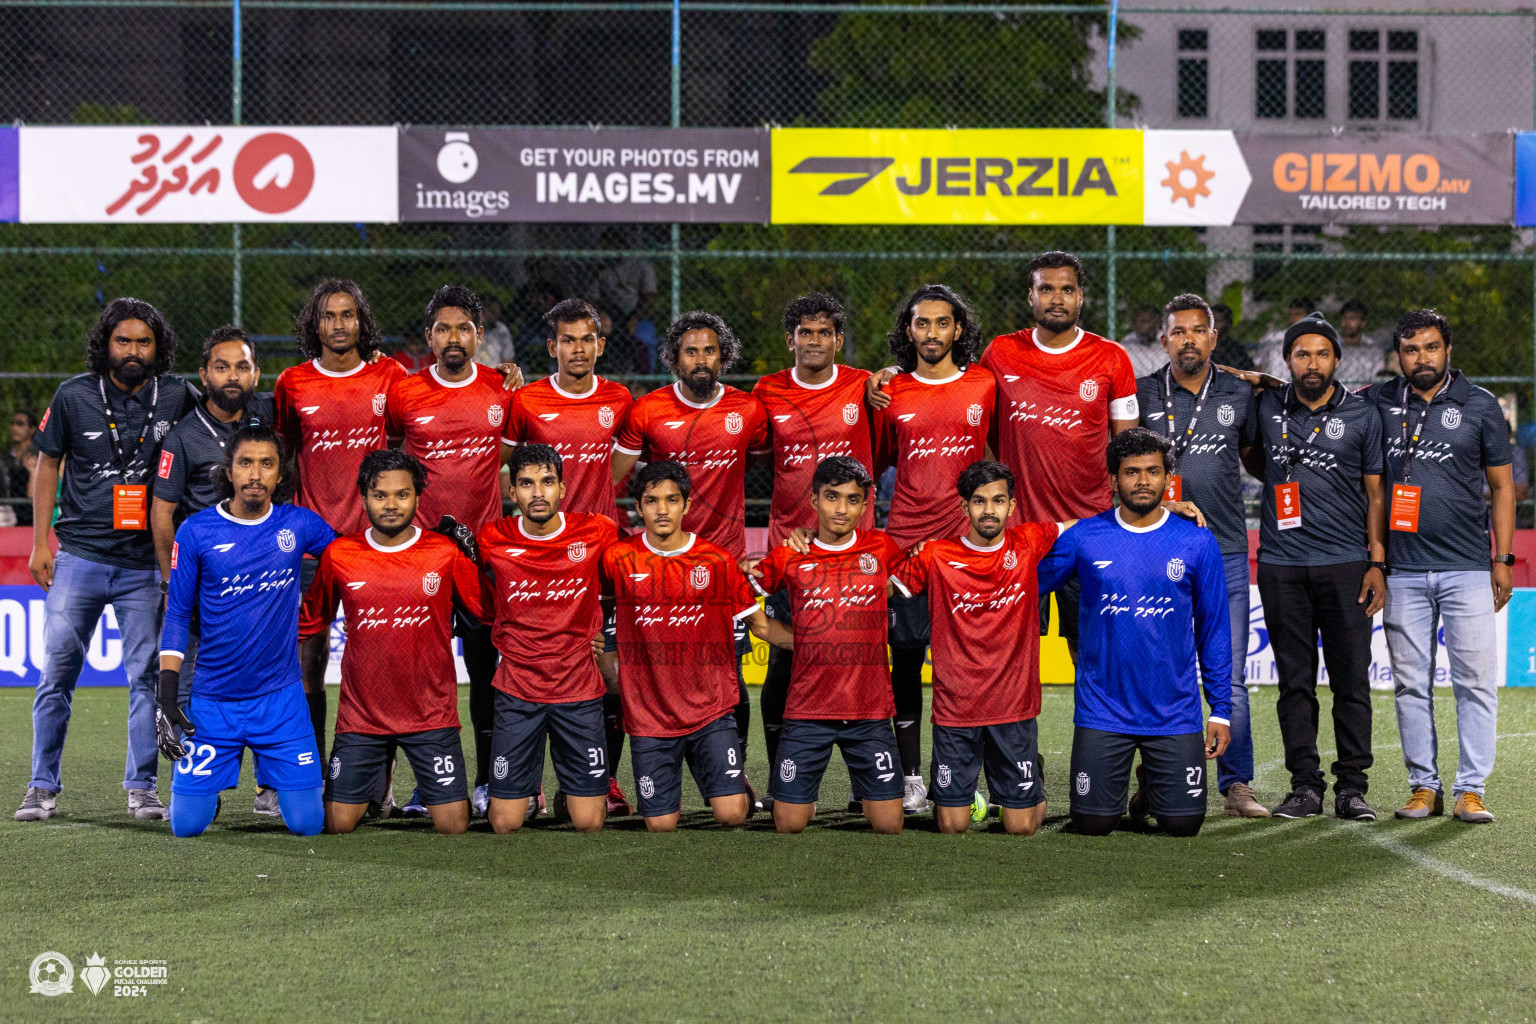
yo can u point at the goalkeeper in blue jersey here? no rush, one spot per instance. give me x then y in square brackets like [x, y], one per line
[1153, 629]
[238, 564]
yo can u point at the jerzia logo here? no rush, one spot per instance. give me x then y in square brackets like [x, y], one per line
[967, 176]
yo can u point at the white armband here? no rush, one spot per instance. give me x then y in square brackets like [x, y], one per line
[1126, 408]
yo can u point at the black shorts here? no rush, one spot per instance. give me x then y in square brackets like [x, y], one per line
[713, 757]
[743, 640]
[610, 633]
[1101, 772]
[1067, 596]
[1009, 751]
[360, 761]
[777, 607]
[869, 751]
[577, 745]
[909, 625]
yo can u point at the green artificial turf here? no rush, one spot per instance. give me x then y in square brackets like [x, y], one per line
[1311, 920]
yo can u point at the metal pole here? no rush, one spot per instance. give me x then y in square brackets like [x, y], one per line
[236, 287]
[1111, 298]
[677, 120]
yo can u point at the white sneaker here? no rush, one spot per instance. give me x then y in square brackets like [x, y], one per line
[39, 805]
[914, 799]
[266, 803]
[480, 800]
[145, 805]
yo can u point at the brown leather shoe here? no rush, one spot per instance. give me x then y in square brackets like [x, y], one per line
[1469, 808]
[1423, 803]
[1240, 803]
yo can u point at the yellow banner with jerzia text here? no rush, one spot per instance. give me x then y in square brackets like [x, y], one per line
[960, 176]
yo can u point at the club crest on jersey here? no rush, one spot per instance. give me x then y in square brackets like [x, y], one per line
[851, 413]
[430, 582]
[335, 767]
[1010, 561]
[1082, 784]
[605, 417]
[286, 540]
[973, 414]
[699, 577]
[499, 768]
[1335, 429]
[1088, 390]
[647, 787]
[162, 428]
[1226, 415]
[787, 771]
[576, 550]
[494, 415]
[1175, 569]
[733, 423]
[1451, 418]
[868, 564]
[379, 401]
[943, 776]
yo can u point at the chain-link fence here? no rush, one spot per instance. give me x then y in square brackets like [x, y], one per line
[896, 65]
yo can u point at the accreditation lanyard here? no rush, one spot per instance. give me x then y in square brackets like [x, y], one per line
[1410, 443]
[119, 456]
[1181, 442]
[1407, 498]
[212, 432]
[1293, 451]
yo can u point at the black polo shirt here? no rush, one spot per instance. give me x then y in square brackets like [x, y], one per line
[1464, 433]
[1209, 459]
[194, 448]
[74, 430]
[1331, 471]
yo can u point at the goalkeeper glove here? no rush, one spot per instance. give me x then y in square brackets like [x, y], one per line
[170, 721]
[461, 535]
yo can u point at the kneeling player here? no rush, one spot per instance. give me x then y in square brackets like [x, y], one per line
[237, 564]
[1154, 598]
[396, 584]
[986, 657]
[677, 598]
[546, 565]
[840, 687]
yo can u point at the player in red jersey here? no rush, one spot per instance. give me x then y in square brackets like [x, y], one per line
[712, 430]
[546, 566]
[841, 691]
[330, 412]
[397, 585]
[816, 409]
[453, 418]
[986, 653]
[677, 599]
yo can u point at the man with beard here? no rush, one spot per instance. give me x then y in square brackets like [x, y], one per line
[1445, 439]
[103, 429]
[1155, 632]
[1322, 559]
[453, 418]
[712, 429]
[1208, 415]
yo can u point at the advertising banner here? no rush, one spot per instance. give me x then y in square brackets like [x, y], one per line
[1525, 179]
[207, 175]
[1193, 177]
[964, 176]
[707, 175]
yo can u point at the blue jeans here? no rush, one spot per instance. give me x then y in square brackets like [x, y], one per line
[1417, 603]
[81, 589]
[1236, 765]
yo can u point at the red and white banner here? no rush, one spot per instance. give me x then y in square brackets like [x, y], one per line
[207, 175]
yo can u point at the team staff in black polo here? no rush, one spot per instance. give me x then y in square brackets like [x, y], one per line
[1322, 561]
[104, 428]
[1446, 439]
[1210, 417]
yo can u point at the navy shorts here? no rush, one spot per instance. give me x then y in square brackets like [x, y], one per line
[1101, 772]
[1067, 597]
[869, 751]
[1009, 752]
[713, 756]
[743, 639]
[275, 726]
[610, 632]
[360, 761]
[909, 625]
[777, 607]
[576, 744]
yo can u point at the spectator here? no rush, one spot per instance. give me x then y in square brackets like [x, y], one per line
[1269, 357]
[1142, 344]
[538, 298]
[16, 464]
[627, 287]
[413, 354]
[1365, 356]
[496, 345]
[1230, 350]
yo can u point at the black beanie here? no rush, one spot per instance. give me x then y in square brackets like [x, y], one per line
[1312, 323]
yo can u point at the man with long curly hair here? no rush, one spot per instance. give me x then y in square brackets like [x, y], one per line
[104, 429]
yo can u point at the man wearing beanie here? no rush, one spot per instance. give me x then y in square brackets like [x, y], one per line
[1322, 562]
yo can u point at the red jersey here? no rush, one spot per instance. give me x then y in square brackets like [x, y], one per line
[329, 421]
[581, 428]
[713, 440]
[984, 605]
[837, 600]
[547, 610]
[455, 429]
[931, 431]
[811, 422]
[1053, 420]
[675, 612]
[397, 672]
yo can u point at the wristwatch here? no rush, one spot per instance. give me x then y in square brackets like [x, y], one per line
[165, 587]
[1383, 566]
[1504, 559]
